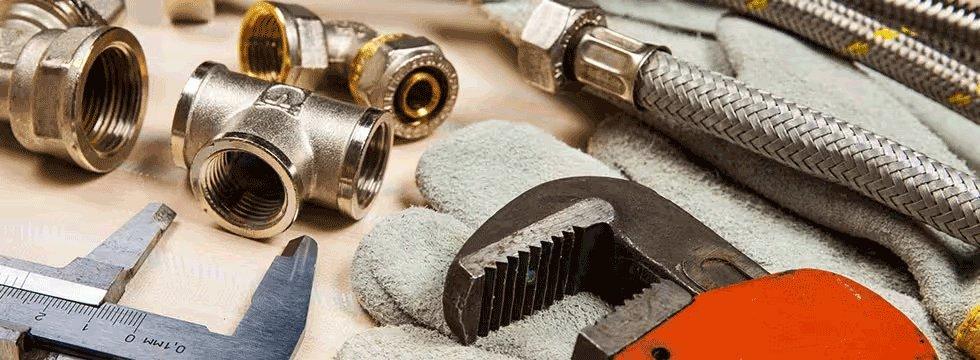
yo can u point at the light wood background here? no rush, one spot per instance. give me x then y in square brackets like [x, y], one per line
[52, 212]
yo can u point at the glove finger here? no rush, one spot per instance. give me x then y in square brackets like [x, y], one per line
[369, 292]
[409, 342]
[549, 334]
[480, 168]
[691, 16]
[410, 253]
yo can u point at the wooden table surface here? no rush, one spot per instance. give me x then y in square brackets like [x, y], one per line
[52, 212]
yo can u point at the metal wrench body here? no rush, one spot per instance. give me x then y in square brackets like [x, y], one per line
[665, 271]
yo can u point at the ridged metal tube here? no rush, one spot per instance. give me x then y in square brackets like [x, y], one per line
[813, 142]
[70, 86]
[257, 150]
[863, 39]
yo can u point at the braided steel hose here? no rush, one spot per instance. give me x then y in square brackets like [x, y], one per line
[569, 43]
[813, 142]
[952, 21]
[863, 39]
[951, 28]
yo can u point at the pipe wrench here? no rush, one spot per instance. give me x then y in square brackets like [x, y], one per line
[681, 290]
[70, 312]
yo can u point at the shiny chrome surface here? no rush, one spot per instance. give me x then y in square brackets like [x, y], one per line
[70, 85]
[257, 150]
[289, 44]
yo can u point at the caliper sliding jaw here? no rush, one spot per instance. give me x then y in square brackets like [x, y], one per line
[69, 313]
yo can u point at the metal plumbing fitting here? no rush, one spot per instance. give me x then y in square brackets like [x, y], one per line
[408, 75]
[256, 150]
[70, 85]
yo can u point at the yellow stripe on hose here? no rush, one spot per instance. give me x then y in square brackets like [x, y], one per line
[886, 34]
[968, 334]
[756, 5]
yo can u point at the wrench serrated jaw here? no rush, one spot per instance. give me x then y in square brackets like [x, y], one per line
[526, 270]
[606, 236]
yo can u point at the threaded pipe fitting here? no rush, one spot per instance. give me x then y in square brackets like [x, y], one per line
[257, 150]
[78, 93]
[407, 75]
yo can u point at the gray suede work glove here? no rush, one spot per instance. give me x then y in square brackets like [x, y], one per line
[399, 268]
[945, 277]
[777, 216]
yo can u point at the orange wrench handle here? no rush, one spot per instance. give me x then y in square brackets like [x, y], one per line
[802, 314]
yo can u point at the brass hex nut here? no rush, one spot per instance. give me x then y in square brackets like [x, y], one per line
[283, 43]
[546, 40]
[409, 76]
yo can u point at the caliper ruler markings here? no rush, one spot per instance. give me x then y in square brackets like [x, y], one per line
[29, 281]
[44, 311]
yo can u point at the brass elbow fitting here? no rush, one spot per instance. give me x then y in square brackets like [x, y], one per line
[256, 150]
[70, 85]
[407, 75]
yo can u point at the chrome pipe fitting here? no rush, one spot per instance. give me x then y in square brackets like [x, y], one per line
[256, 150]
[407, 75]
[70, 85]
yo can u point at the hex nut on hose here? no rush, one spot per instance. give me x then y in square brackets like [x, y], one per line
[257, 150]
[407, 75]
[71, 86]
[542, 54]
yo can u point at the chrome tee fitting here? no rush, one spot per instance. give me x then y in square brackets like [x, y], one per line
[257, 150]
[407, 75]
[70, 85]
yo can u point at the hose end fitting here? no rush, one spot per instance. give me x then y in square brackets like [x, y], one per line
[545, 50]
[99, 79]
[257, 150]
[408, 75]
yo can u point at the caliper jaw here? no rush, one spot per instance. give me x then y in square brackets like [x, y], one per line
[277, 316]
[102, 275]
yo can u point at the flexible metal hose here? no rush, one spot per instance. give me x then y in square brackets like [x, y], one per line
[812, 142]
[950, 28]
[861, 38]
[954, 21]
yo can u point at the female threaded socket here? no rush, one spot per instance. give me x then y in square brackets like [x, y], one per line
[257, 150]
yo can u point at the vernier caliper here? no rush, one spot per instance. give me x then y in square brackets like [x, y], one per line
[69, 313]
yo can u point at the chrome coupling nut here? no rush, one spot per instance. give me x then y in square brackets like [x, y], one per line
[256, 150]
[567, 42]
[407, 75]
[70, 85]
